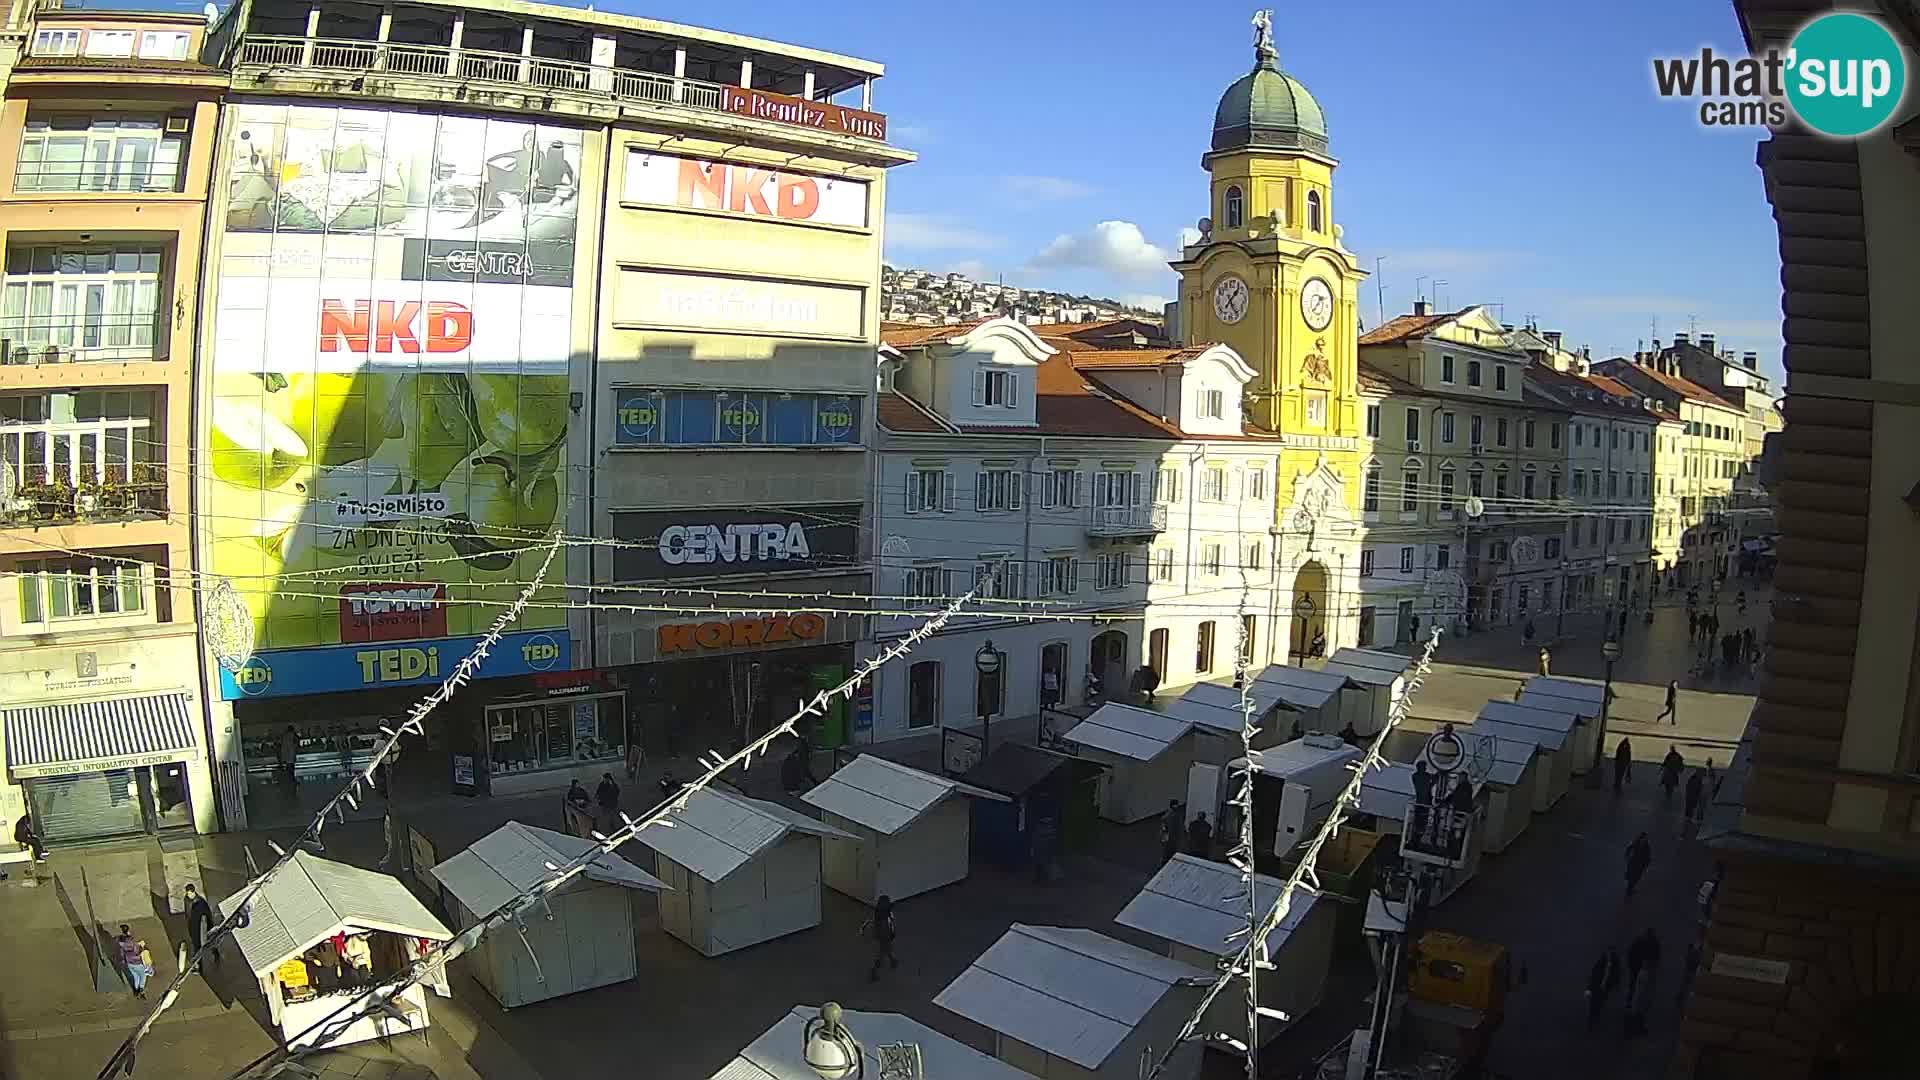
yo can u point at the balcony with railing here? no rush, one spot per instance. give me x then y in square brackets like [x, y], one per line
[469, 69]
[81, 338]
[1112, 522]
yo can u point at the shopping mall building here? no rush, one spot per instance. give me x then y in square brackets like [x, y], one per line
[480, 273]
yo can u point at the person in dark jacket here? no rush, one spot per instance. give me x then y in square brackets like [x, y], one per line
[1601, 980]
[1696, 791]
[199, 919]
[27, 837]
[1671, 767]
[1643, 972]
[882, 928]
[1423, 780]
[1622, 763]
[1172, 824]
[1672, 709]
[1200, 837]
[1639, 857]
[607, 795]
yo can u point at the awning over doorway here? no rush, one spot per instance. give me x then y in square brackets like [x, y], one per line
[84, 736]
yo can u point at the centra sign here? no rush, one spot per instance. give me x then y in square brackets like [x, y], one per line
[681, 544]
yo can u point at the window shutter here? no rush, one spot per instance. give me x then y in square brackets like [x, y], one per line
[1133, 496]
[979, 388]
[1013, 391]
[1079, 490]
[946, 492]
[1073, 576]
[1017, 488]
[980, 490]
[914, 489]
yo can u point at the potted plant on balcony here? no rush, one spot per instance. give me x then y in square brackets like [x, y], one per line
[147, 488]
[86, 493]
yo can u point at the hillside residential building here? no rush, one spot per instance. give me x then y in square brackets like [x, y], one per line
[1712, 447]
[102, 211]
[1809, 969]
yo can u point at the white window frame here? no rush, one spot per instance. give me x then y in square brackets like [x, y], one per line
[929, 491]
[1162, 562]
[994, 388]
[1167, 484]
[84, 308]
[107, 43]
[1370, 491]
[1409, 491]
[1115, 488]
[1446, 428]
[1413, 423]
[915, 723]
[1213, 404]
[926, 580]
[998, 490]
[56, 42]
[1256, 556]
[1366, 562]
[164, 44]
[1406, 559]
[1210, 558]
[1317, 409]
[1111, 570]
[40, 583]
[997, 576]
[1060, 489]
[1213, 484]
[1256, 483]
[1373, 421]
[71, 440]
[1060, 576]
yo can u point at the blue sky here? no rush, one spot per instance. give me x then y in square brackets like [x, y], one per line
[1514, 149]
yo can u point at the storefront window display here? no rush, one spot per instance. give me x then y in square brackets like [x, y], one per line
[554, 733]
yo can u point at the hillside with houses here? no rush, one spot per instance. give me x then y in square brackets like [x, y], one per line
[909, 295]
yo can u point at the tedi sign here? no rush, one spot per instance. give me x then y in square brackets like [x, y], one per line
[693, 543]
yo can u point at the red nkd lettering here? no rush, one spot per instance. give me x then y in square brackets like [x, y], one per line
[388, 326]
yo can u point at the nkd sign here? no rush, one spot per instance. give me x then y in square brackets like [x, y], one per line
[708, 543]
[726, 187]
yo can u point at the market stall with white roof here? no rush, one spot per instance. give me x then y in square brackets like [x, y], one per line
[1271, 716]
[1198, 906]
[319, 932]
[1560, 765]
[1063, 1002]
[780, 1051]
[1146, 754]
[1579, 698]
[1295, 785]
[1217, 729]
[1550, 776]
[1508, 784]
[1378, 678]
[911, 831]
[585, 933]
[742, 871]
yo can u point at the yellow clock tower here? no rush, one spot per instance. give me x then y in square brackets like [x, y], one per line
[1270, 277]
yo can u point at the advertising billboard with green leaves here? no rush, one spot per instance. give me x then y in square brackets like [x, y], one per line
[387, 428]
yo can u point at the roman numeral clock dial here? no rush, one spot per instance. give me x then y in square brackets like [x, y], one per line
[1230, 300]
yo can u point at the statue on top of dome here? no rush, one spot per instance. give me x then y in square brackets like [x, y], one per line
[1263, 48]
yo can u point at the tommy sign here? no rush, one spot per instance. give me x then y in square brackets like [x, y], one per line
[706, 543]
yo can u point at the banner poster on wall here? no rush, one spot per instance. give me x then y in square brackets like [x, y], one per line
[390, 397]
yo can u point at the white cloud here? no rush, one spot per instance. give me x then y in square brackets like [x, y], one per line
[1145, 300]
[1113, 247]
[927, 232]
[1189, 236]
[1045, 188]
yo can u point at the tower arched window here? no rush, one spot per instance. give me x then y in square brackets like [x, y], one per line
[1313, 211]
[1234, 208]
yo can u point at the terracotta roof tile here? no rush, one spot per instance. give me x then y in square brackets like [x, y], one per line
[1681, 385]
[1404, 327]
[1373, 380]
[1068, 404]
[908, 335]
[901, 414]
[1132, 358]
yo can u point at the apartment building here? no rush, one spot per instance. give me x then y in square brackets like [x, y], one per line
[1809, 969]
[1461, 486]
[486, 272]
[1609, 446]
[1737, 379]
[1000, 468]
[106, 141]
[1668, 467]
[1711, 451]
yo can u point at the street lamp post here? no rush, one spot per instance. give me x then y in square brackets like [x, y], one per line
[986, 663]
[830, 1049]
[1610, 651]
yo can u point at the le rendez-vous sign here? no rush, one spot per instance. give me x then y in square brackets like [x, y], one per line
[824, 115]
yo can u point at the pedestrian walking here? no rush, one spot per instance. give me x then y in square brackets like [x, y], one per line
[1671, 712]
[199, 917]
[1691, 965]
[1671, 767]
[607, 795]
[880, 924]
[1601, 981]
[1696, 788]
[1622, 763]
[136, 959]
[289, 751]
[1200, 837]
[1643, 973]
[1639, 857]
[1172, 824]
[1546, 659]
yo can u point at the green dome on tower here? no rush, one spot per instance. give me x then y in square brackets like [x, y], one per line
[1268, 109]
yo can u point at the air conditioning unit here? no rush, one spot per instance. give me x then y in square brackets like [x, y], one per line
[1476, 449]
[1413, 446]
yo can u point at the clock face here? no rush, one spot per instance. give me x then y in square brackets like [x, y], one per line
[1316, 303]
[1230, 299]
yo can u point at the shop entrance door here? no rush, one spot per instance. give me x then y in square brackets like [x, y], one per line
[163, 801]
